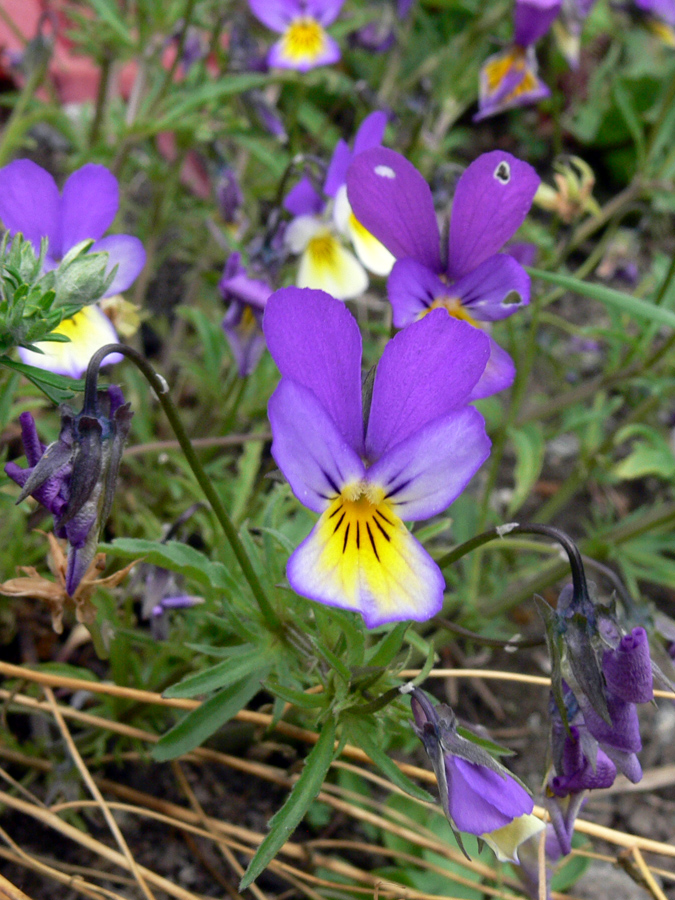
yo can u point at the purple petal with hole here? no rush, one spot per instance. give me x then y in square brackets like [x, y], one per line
[127, 253]
[276, 14]
[498, 374]
[88, 205]
[481, 800]
[337, 168]
[303, 199]
[493, 197]
[412, 288]
[426, 371]
[494, 290]
[308, 448]
[393, 202]
[424, 473]
[532, 19]
[314, 339]
[324, 11]
[30, 203]
[628, 668]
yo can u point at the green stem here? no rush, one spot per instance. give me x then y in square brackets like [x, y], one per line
[161, 389]
[17, 124]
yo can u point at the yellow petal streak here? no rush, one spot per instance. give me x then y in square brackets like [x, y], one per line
[303, 42]
[360, 556]
[454, 307]
[502, 66]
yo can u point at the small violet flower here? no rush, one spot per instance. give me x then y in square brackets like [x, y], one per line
[567, 29]
[407, 457]
[659, 16]
[473, 281]
[478, 795]
[509, 78]
[74, 477]
[304, 42]
[30, 203]
[243, 320]
[325, 263]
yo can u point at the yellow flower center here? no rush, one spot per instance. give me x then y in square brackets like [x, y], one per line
[304, 40]
[497, 70]
[323, 249]
[361, 521]
[454, 307]
[247, 323]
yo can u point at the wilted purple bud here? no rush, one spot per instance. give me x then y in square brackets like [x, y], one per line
[582, 765]
[628, 668]
[74, 477]
[478, 794]
[228, 195]
[243, 320]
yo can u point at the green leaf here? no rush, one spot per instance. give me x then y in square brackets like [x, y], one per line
[222, 675]
[283, 824]
[640, 309]
[201, 723]
[298, 698]
[530, 448]
[107, 11]
[176, 557]
[57, 387]
[492, 748]
[383, 653]
[361, 732]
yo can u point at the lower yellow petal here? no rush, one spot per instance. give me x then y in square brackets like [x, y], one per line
[326, 265]
[304, 41]
[88, 330]
[360, 556]
[505, 841]
[369, 250]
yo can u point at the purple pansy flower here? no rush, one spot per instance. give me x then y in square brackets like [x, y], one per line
[478, 795]
[74, 477]
[569, 26]
[416, 452]
[473, 281]
[304, 42]
[324, 262]
[30, 203]
[509, 78]
[243, 320]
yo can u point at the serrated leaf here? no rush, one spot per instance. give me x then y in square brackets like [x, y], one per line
[361, 735]
[177, 557]
[199, 724]
[283, 824]
[530, 448]
[57, 387]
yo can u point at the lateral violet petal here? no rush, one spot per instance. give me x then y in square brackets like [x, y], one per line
[30, 203]
[127, 253]
[493, 197]
[391, 200]
[423, 474]
[276, 14]
[498, 374]
[324, 11]
[314, 339]
[351, 565]
[308, 448]
[303, 199]
[88, 205]
[532, 19]
[337, 168]
[412, 288]
[495, 289]
[481, 800]
[371, 132]
[426, 371]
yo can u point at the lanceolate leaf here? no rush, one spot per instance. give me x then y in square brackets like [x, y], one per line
[284, 823]
[362, 731]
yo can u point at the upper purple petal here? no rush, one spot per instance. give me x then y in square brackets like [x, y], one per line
[314, 339]
[30, 203]
[533, 18]
[425, 472]
[127, 253]
[276, 14]
[498, 374]
[493, 197]
[393, 202]
[495, 289]
[337, 168]
[481, 800]
[324, 11]
[524, 252]
[426, 371]
[88, 205]
[308, 448]
[303, 199]
[371, 132]
[628, 668]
